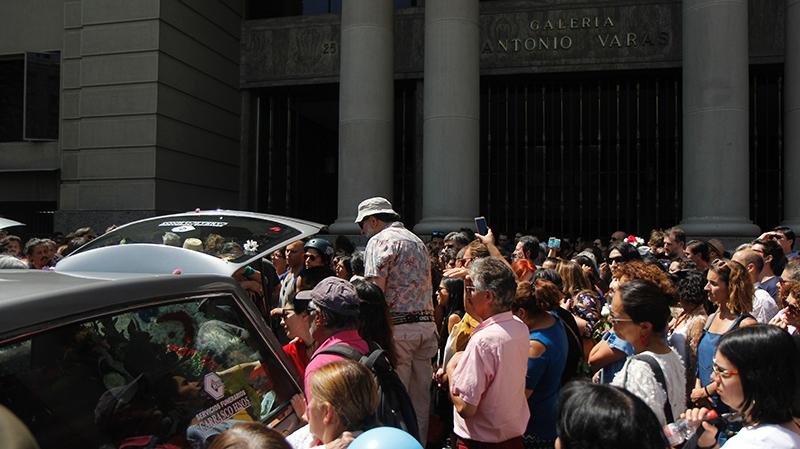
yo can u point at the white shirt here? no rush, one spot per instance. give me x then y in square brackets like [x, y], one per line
[764, 307]
[789, 328]
[770, 436]
[641, 381]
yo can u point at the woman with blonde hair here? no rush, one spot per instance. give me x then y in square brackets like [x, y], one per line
[344, 399]
[729, 287]
[251, 435]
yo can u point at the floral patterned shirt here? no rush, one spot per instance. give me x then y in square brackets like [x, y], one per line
[586, 306]
[401, 258]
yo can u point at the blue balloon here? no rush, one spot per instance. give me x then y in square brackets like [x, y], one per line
[385, 438]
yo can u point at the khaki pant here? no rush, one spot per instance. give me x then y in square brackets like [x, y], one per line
[415, 344]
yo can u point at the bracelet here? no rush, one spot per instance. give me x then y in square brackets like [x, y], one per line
[708, 395]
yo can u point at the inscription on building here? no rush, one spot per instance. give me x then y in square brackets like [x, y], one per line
[512, 40]
[560, 39]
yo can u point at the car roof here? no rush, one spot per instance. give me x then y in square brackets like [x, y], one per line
[264, 232]
[30, 298]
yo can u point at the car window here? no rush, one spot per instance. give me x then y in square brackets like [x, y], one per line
[230, 237]
[165, 376]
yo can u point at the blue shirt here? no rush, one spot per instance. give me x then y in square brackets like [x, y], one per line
[544, 378]
[614, 342]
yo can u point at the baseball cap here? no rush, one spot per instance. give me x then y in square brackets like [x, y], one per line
[373, 206]
[334, 294]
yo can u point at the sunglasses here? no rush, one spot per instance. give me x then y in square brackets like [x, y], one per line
[311, 257]
[613, 260]
[721, 372]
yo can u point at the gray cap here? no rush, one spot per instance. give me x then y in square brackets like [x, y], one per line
[374, 206]
[334, 294]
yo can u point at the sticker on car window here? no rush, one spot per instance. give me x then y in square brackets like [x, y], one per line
[223, 410]
[214, 386]
[196, 224]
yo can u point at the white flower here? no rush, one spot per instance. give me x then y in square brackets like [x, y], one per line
[250, 247]
[606, 311]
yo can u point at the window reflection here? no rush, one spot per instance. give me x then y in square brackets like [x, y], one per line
[259, 9]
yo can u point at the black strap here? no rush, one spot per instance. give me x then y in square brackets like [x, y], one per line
[342, 350]
[650, 360]
[370, 359]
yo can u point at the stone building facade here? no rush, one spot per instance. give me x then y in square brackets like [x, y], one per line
[571, 117]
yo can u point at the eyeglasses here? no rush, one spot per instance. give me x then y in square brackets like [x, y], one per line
[721, 372]
[615, 320]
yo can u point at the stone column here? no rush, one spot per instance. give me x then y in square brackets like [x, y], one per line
[366, 107]
[716, 187]
[791, 124]
[450, 124]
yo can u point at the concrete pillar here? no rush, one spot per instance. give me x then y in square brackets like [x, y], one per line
[450, 124]
[716, 186]
[366, 107]
[791, 125]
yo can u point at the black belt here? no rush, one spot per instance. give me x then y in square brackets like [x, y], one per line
[424, 316]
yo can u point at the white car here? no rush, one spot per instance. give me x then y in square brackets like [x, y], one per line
[133, 343]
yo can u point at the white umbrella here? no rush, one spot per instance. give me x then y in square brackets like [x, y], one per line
[6, 223]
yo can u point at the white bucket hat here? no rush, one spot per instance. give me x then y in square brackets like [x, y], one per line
[374, 206]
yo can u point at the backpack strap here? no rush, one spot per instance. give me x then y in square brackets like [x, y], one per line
[650, 360]
[371, 359]
[342, 350]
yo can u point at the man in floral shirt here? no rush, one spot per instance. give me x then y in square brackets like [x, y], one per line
[397, 261]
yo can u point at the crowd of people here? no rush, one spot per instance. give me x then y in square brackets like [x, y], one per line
[521, 343]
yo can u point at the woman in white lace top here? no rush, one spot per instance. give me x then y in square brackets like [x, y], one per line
[640, 313]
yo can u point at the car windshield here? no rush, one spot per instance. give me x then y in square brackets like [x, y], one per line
[169, 376]
[235, 238]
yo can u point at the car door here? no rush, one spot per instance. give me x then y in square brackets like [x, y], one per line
[164, 373]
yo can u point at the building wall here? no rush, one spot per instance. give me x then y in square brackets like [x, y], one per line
[28, 169]
[150, 109]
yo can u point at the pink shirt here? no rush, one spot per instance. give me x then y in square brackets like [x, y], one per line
[349, 338]
[491, 376]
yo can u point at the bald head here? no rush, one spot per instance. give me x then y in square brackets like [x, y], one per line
[751, 260]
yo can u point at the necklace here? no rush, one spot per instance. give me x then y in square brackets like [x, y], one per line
[682, 318]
